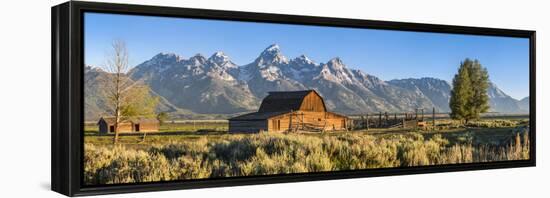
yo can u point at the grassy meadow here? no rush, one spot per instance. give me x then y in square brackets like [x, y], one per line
[204, 150]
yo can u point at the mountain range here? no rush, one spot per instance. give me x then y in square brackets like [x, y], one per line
[217, 86]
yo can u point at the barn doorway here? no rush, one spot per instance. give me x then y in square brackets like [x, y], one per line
[111, 128]
[276, 125]
[136, 126]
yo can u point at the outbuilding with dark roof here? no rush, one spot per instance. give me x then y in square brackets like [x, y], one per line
[137, 124]
[289, 111]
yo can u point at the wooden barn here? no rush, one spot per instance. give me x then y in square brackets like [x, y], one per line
[107, 125]
[287, 112]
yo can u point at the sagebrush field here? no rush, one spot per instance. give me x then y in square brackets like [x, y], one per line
[193, 155]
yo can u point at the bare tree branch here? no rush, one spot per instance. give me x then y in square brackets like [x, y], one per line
[126, 98]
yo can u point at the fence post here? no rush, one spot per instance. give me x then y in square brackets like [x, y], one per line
[379, 119]
[143, 137]
[303, 123]
[363, 121]
[367, 121]
[290, 121]
[433, 117]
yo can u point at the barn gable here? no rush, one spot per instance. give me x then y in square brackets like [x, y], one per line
[286, 101]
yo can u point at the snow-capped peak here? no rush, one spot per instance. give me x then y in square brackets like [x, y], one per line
[89, 68]
[270, 55]
[336, 61]
[198, 59]
[273, 48]
[167, 56]
[219, 54]
[219, 58]
[336, 64]
[222, 60]
[335, 70]
[160, 62]
[303, 59]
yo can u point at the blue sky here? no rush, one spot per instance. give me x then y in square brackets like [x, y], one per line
[383, 53]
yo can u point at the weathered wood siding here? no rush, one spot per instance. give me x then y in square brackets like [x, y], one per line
[336, 122]
[247, 126]
[122, 127]
[307, 119]
[125, 127]
[128, 126]
[313, 102]
[148, 127]
[278, 123]
[298, 120]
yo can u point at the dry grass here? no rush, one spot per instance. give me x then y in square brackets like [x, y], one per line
[443, 124]
[261, 154]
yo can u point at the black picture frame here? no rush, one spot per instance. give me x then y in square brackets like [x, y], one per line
[67, 96]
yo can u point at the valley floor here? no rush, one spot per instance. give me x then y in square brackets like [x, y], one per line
[181, 155]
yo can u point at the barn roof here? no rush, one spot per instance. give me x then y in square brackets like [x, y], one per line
[258, 115]
[138, 120]
[277, 101]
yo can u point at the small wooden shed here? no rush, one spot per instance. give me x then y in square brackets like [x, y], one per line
[140, 124]
[289, 111]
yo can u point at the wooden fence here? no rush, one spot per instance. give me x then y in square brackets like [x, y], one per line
[393, 120]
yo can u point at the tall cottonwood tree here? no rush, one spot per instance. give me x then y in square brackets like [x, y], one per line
[479, 77]
[469, 96]
[126, 98]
